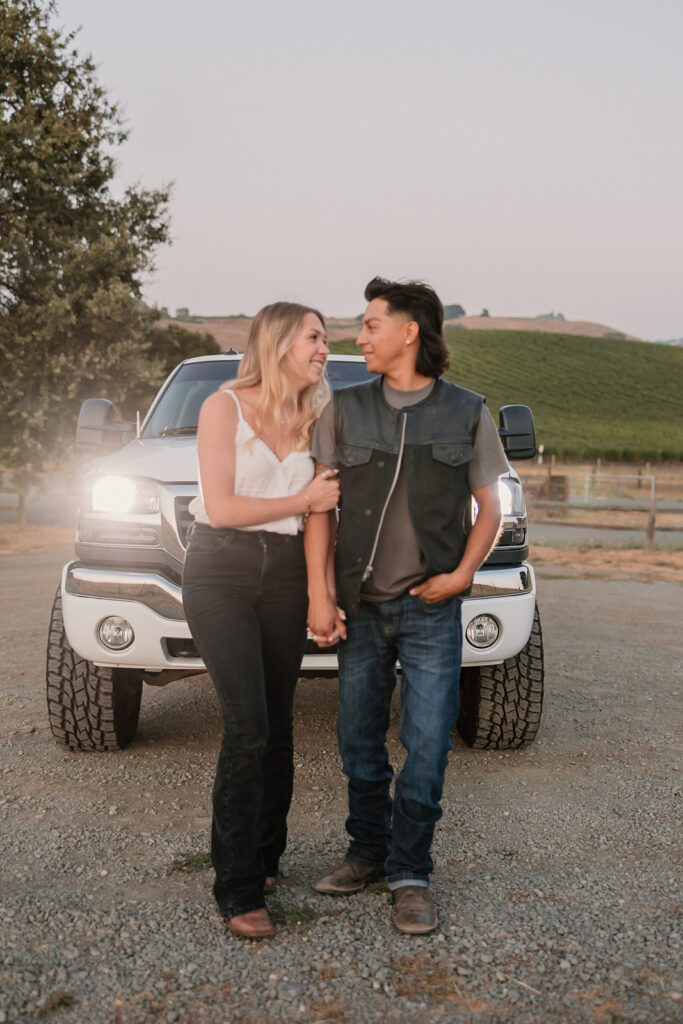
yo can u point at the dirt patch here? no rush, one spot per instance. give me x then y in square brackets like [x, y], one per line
[15, 540]
[612, 563]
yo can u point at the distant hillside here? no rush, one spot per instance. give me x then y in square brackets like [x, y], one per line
[233, 331]
[591, 397]
[548, 324]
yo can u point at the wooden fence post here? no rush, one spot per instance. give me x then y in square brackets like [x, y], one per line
[651, 518]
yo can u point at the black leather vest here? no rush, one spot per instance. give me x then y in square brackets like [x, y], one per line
[434, 439]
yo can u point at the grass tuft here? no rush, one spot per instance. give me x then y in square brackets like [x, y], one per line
[300, 916]
[57, 1001]
[191, 863]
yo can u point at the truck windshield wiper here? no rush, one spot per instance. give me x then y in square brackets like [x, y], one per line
[169, 431]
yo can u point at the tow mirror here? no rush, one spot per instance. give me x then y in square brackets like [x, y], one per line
[96, 428]
[517, 431]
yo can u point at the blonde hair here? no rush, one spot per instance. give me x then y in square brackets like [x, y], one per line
[272, 334]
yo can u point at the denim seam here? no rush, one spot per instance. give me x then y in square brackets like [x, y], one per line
[401, 883]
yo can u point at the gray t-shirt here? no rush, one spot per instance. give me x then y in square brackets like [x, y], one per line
[399, 562]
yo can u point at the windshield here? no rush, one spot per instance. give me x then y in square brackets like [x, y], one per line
[177, 411]
[341, 373]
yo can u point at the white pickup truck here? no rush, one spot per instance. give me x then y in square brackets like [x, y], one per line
[118, 620]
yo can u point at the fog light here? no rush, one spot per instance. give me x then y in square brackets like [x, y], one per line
[482, 631]
[116, 633]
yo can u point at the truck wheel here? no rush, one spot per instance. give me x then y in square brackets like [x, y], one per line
[90, 707]
[500, 705]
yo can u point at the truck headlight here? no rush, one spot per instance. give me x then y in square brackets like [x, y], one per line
[511, 497]
[124, 495]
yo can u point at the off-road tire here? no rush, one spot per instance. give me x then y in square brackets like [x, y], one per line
[90, 707]
[500, 705]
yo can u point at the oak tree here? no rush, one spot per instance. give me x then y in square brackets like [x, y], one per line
[73, 255]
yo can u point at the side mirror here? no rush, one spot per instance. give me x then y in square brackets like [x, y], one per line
[96, 428]
[517, 431]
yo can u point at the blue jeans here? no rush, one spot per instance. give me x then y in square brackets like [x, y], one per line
[245, 599]
[427, 639]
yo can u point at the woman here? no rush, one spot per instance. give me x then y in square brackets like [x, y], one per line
[244, 591]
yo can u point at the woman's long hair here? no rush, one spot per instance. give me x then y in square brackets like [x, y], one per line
[272, 334]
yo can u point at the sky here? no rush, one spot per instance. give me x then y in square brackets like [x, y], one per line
[525, 157]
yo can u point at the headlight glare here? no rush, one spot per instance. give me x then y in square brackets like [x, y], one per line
[122, 495]
[511, 496]
[505, 498]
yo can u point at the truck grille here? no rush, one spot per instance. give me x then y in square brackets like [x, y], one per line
[183, 517]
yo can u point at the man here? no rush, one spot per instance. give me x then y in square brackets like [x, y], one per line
[411, 450]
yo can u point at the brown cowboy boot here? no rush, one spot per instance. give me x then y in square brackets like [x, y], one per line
[414, 911]
[349, 877]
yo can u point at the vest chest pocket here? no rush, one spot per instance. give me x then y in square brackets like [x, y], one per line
[353, 454]
[453, 453]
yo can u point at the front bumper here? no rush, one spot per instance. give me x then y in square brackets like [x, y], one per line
[153, 606]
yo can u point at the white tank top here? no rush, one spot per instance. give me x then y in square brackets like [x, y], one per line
[260, 474]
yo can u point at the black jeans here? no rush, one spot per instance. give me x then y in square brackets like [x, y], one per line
[245, 599]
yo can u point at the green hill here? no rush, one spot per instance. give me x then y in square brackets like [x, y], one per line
[590, 397]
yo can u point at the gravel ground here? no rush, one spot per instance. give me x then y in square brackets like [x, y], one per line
[556, 865]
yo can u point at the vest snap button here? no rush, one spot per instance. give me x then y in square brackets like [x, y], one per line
[368, 511]
[381, 464]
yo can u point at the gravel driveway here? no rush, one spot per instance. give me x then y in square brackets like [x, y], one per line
[556, 865]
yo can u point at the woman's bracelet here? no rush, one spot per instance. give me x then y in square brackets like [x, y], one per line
[308, 506]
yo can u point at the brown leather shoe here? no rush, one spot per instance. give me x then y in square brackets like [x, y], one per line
[254, 925]
[414, 911]
[270, 885]
[349, 877]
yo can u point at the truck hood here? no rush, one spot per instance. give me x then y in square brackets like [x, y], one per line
[166, 459]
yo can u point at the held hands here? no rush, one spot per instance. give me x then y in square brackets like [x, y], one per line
[326, 622]
[323, 491]
[441, 587]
